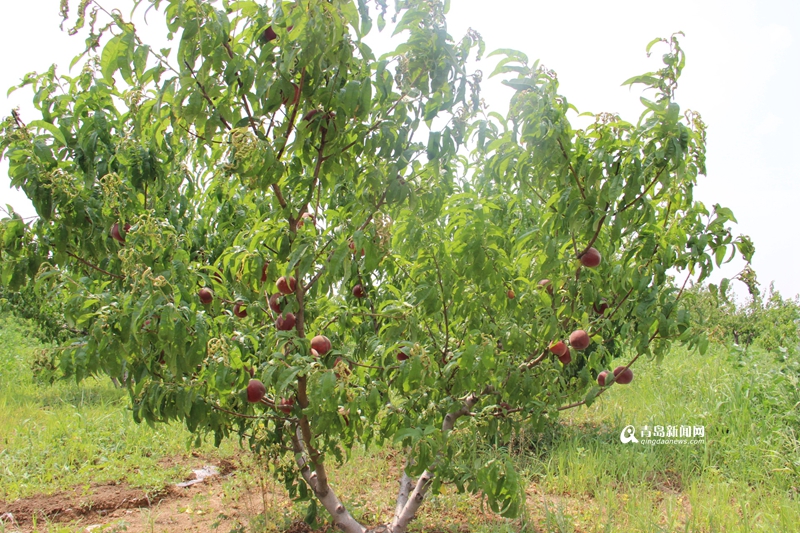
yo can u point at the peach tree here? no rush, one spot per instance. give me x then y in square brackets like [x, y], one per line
[274, 233]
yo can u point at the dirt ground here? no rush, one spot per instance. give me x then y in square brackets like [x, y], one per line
[203, 508]
[212, 506]
[223, 503]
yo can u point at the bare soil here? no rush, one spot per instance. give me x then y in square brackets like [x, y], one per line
[65, 506]
[221, 504]
[201, 508]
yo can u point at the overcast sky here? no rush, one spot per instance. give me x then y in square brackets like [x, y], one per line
[742, 74]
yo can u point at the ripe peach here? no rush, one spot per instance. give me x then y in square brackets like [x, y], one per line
[591, 258]
[579, 339]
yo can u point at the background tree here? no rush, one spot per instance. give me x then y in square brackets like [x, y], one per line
[768, 321]
[45, 311]
[286, 238]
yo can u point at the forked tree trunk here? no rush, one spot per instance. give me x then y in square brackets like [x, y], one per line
[410, 494]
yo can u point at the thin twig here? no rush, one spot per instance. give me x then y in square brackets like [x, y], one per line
[292, 118]
[196, 136]
[361, 227]
[652, 337]
[658, 174]
[206, 96]
[444, 306]
[535, 362]
[363, 365]
[95, 267]
[379, 121]
[241, 415]
[317, 169]
[244, 97]
[572, 169]
[596, 234]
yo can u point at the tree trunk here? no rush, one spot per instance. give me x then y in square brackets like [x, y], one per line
[410, 495]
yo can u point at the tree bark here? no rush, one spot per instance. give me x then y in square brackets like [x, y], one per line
[417, 496]
[410, 495]
[343, 519]
[415, 499]
[406, 486]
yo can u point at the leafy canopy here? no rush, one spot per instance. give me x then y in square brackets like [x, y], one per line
[269, 141]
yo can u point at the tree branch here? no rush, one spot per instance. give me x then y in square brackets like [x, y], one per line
[614, 311]
[244, 97]
[415, 499]
[596, 234]
[572, 169]
[530, 364]
[292, 118]
[379, 121]
[206, 96]
[289, 129]
[241, 415]
[619, 305]
[343, 519]
[95, 267]
[406, 486]
[322, 269]
[317, 169]
[653, 336]
[196, 136]
[658, 174]
[363, 365]
[444, 307]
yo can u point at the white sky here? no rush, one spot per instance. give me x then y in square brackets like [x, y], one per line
[742, 74]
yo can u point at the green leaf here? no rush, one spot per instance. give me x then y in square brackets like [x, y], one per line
[113, 53]
[723, 286]
[57, 134]
[413, 434]
[591, 395]
[719, 255]
[433, 145]
[703, 344]
[286, 377]
[510, 53]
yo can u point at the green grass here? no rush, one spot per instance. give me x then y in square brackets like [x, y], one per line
[57, 437]
[745, 478]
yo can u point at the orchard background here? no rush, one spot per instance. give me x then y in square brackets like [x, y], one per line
[270, 233]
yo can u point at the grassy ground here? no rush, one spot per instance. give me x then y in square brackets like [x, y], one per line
[744, 478]
[53, 438]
